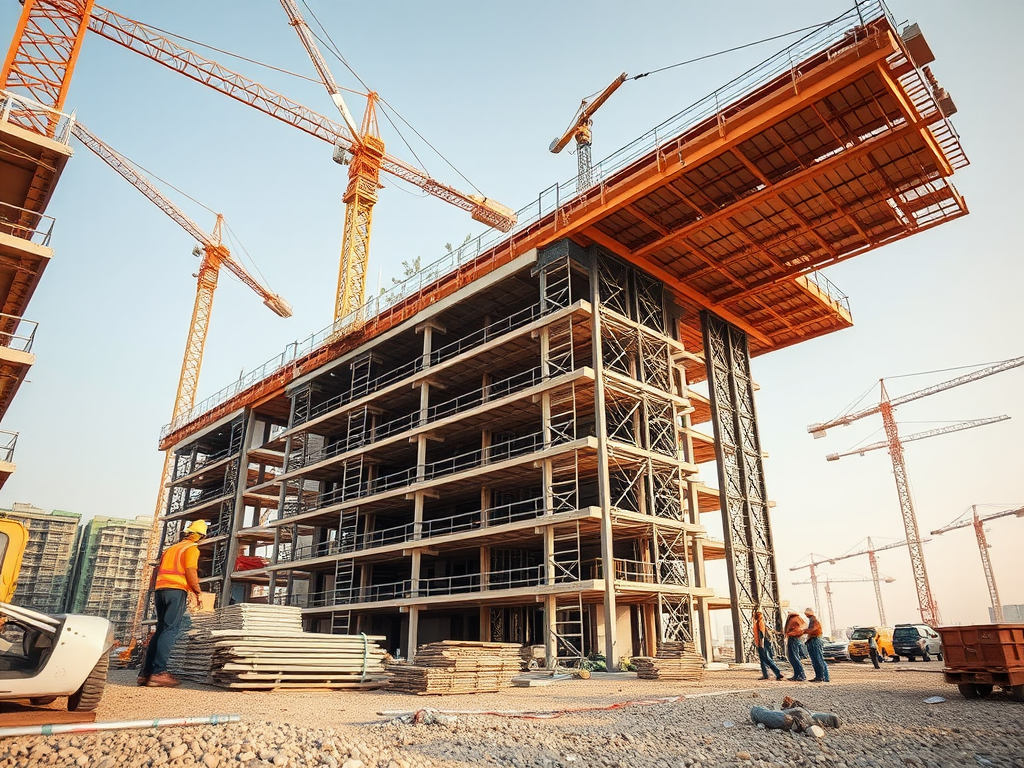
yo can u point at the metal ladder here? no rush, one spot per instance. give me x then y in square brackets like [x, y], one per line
[361, 374]
[569, 632]
[565, 483]
[565, 557]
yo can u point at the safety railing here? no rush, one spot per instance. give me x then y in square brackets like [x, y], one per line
[27, 113]
[406, 532]
[202, 460]
[493, 391]
[560, 195]
[504, 451]
[497, 328]
[830, 289]
[25, 224]
[22, 333]
[8, 442]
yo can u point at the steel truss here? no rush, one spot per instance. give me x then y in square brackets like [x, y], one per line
[675, 619]
[750, 552]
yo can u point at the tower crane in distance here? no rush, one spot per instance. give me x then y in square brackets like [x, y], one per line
[214, 256]
[365, 157]
[580, 129]
[829, 581]
[926, 603]
[812, 568]
[986, 563]
[872, 561]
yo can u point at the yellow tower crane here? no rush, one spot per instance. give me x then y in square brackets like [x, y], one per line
[365, 157]
[214, 256]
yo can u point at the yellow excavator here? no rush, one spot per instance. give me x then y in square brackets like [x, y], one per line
[44, 657]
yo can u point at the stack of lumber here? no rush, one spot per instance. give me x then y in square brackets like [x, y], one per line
[675, 661]
[454, 666]
[252, 646]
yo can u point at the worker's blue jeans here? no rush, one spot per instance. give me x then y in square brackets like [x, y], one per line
[170, 610]
[816, 650]
[764, 655]
[794, 655]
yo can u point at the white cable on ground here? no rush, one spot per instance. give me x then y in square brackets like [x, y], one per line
[118, 725]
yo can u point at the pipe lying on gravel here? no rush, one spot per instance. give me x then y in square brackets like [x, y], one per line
[550, 714]
[117, 725]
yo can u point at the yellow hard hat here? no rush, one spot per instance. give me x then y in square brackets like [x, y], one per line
[197, 526]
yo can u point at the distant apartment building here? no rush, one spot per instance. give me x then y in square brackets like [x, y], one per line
[109, 570]
[49, 556]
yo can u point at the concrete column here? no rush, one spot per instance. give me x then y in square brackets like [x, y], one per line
[611, 651]
[550, 607]
[414, 631]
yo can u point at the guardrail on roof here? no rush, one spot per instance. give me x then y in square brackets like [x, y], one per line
[31, 115]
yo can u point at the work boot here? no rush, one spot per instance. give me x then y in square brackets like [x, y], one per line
[142, 680]
[162, 680]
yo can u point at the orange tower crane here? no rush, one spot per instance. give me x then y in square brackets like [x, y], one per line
[582, 132]
[42, 56]
[829, 581]
[215, 255]
[926, 603]
[986, 563]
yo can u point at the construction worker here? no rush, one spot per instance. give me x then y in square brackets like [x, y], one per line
[795, 628]
[873, 648]
[176, 583]
[816, 648]
[764, 647]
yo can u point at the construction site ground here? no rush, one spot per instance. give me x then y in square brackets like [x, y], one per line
[885, 722]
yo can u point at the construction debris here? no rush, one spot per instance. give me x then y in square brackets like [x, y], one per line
[453, 666]
[675, 661]
[263, 647]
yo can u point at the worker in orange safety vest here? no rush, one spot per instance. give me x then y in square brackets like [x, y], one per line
[795, 628]
[176, 583]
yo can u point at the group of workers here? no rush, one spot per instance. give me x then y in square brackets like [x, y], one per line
[796, 629]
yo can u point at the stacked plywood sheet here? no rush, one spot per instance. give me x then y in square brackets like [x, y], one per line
[454, 666]
[295, 660]
[251, 646]
[675, 661]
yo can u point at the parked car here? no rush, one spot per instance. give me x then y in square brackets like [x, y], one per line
[836, 650]
[859, 642]
[913, 640]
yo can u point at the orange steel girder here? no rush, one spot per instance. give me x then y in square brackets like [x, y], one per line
[42, 56]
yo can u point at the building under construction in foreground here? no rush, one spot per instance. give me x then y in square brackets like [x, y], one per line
[531, 440]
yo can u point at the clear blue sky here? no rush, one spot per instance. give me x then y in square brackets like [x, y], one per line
[489, 85]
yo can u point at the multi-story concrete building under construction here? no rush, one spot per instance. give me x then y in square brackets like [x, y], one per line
[109, 570]
[49, 559]
[550, 436]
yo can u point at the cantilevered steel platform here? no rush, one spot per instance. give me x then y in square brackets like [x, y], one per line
[830, 149]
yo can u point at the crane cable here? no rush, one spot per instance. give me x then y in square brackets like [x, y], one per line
[812, 28]
[332, 48]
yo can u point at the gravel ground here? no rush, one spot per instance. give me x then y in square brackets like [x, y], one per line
[885, 723]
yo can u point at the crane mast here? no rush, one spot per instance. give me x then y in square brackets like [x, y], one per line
[926, 604]
[978, 523]
[873, 563]
[986, 564]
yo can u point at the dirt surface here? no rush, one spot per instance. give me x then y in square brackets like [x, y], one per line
[885, 722]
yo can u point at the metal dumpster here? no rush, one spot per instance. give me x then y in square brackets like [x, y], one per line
[981, 656]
